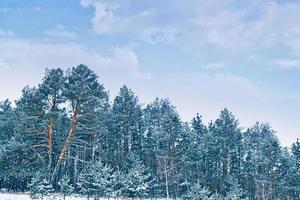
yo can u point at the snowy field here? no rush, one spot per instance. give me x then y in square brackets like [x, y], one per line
[14, 196]
[10, 196]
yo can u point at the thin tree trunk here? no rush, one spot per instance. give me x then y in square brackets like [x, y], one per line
[50, 136]
[75, 170]
[166, 177]
[66, 145]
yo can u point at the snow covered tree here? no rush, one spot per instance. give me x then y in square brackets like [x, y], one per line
[65, 186]
[198, 192]
[292, 176]
[233, 189]
[86, 181]
[228, 144]
[39, 186]
[96, 180]
[51, 90]
[296, 151]
[86, 98]
[127, 125]
[66, 124]
[103, 180]
[134, 181]
[165, 126]
[29, 139]
[7, 127]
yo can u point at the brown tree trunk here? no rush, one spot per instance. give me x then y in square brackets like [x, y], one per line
[50, 136]
[66, 145]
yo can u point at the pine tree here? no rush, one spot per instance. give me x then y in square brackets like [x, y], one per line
[65, 124]
[7, 128]
[135, 179]
[65, 186]
[166, 127]
[51, 90]
[40, 186]
[234, 190]
[103, 180]
[293, 172]
[96, 180]
[86, 181]
[228, 158]
[86, 98]
[127, 125]
[296, 151]
[198, 192]
[28, 140]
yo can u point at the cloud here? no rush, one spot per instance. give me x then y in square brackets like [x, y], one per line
[37, 8]
[214, 65]
[5, 10]
[104, 20]
[23, 61]
[252, 26]
[155, 35]
[113, 17]
[287, 64]
[60, 32]
[6, 33]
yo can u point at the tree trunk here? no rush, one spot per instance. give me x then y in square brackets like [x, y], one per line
[66, 145]
[50, 135]
[166, 177]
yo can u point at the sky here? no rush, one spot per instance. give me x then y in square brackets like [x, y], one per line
[202, 55]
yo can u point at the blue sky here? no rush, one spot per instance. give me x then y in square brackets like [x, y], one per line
[203, 55]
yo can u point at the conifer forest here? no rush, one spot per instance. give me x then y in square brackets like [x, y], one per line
[67, 136]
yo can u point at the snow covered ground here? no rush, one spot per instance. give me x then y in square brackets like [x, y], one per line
[22, 196]
[13, 196]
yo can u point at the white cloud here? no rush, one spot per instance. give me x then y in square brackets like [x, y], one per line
[214, 65]
[37, 8]
[287, 64]
[104, 20]
[111, 17]
[5, 10]
[23, 62]
[6, 33]
[252, 26]
[156, 35]
[60, 32]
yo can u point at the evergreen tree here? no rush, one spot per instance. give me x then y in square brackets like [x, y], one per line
[66, 124]
[39, 186]
[228, 144]
[65, 186]
[96, 180]
[86, 98]
[103, 180]
[7, 128]
[136, 178]
[86, 181]
[51, 91]
[127, 125]
[234, 191]
[198, 192]
[26, 149]
[165, 125]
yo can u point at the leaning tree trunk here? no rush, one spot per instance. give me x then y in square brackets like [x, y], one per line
[50, 136]
[65, 147]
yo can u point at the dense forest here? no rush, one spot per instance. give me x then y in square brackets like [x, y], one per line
[66, 136]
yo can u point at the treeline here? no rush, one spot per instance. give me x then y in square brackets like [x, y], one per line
[65, 136]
